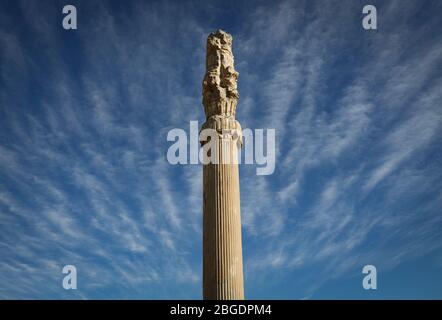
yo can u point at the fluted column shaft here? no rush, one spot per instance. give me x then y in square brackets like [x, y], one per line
[222, 245]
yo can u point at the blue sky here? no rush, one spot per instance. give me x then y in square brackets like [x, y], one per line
[84, 179]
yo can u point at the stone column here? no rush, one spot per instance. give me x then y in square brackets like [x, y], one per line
[222, 247]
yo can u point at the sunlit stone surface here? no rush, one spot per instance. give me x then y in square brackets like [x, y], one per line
[222, 248]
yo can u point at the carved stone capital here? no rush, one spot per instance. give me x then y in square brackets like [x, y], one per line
[226, 127]
[220, 94]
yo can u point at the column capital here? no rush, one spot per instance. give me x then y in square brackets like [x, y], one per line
[220, 94]
[226, 127]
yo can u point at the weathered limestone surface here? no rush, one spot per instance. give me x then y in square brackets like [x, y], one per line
[222, 245]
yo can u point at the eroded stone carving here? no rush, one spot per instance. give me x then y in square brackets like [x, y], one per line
[220, 93]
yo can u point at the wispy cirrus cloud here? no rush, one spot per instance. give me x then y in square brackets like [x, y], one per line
[333, 149]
